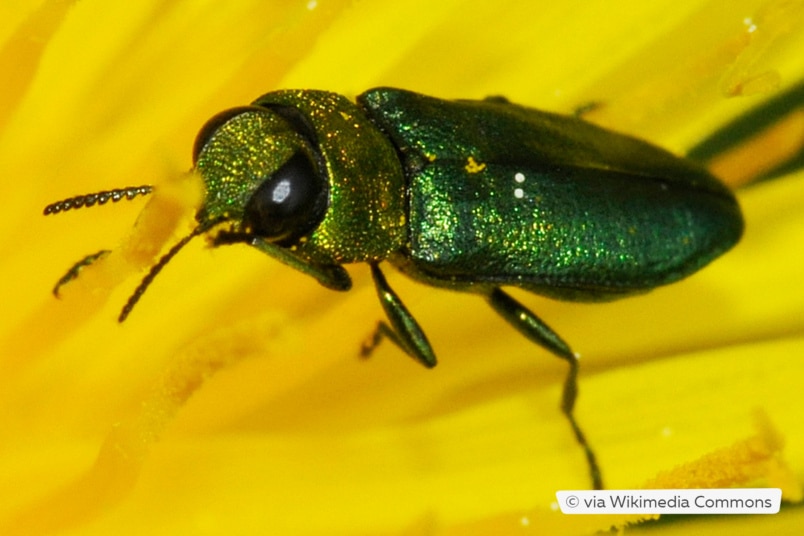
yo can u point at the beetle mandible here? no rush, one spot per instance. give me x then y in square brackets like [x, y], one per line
[464, 195]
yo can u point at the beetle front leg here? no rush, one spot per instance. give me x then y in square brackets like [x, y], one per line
[73, 272]
[532, 327]
[332, 276]
[404, 331]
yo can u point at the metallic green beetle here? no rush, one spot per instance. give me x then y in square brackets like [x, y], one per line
[466, 195]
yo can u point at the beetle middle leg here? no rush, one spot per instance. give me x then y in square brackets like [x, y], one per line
[532, 327]
[382, 331]
[403, 330]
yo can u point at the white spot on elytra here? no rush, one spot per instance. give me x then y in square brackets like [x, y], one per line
[519, 177]
[312, 4]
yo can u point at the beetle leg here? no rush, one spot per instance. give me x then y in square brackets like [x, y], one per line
[333, 277]
[404, 331]
[73, 272]
[382, 331]
[532, 327]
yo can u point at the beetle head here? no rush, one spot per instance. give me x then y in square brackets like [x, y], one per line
[262, 174]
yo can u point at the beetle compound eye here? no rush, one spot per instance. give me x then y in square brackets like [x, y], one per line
[288, 204]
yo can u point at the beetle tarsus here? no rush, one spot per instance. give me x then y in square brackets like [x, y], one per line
[568, 397]
[381, 332]
[371, 343]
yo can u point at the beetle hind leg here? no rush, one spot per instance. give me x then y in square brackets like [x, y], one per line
[532, 327]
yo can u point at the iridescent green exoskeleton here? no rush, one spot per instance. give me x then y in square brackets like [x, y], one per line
[465, 195]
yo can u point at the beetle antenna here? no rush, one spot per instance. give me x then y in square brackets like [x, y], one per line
[156, 268]
[100, 198]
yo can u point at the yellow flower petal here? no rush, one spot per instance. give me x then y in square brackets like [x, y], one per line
[233, 402]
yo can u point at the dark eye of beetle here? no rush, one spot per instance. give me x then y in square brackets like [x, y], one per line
[289, 203]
